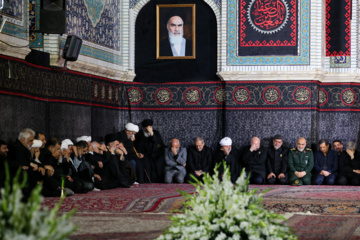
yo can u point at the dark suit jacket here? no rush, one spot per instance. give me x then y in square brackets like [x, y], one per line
[19, 156]
[332, 161]
[165, 48]
[346, 165]
[276, 161]
[199, 160]
[255, 161]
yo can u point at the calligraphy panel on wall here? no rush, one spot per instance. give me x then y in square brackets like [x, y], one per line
[268, 32]
[268, 27]
[23, 79]
[337, 27]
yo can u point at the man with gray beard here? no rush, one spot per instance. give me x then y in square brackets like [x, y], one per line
[176, 45]
[20, 157]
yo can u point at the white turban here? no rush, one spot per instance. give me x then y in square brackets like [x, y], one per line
[36, 143]
[64, 145]
[68, 141]
[132, 127]
[226, 141]
[84, 138]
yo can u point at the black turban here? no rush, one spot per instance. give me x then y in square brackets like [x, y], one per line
[110, 138]
[147, 122]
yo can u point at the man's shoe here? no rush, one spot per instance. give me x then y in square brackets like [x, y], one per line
[68, 192]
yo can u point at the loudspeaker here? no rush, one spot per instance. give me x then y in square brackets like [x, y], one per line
[38, 58]
[72, 48]
[52, 16]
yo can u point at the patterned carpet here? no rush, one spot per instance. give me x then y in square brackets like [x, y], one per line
[119, 225]
[314, 199]
[316, 227]
[149, 226]
[139, 198]
[159, 198]
[141, 212]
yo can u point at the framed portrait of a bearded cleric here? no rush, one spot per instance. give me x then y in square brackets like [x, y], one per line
[175, 31]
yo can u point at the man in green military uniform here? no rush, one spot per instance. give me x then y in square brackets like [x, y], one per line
[300, 164]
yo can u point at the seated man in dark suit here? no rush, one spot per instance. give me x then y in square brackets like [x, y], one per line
[199, 159]
[254, 159]
[349, 165]
[276, 162]
[325, 164]
[176, 45]
[20, 157]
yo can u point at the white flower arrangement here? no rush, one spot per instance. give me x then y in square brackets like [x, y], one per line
[219, 210]
[28, 220]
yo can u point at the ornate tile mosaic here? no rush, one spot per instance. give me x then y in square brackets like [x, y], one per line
[94, 52]
[35, 39]
[16, 19]
[340, 62]
[16, 10]
[303, 57]
[96, 21]
[15, 30]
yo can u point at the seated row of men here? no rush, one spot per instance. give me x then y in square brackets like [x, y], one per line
[274, 165]
[297, 166]
[139, 156]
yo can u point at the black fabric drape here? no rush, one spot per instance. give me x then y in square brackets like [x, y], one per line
[337, 27]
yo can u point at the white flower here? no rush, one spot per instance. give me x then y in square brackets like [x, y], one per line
[220, 207]
[221, 236]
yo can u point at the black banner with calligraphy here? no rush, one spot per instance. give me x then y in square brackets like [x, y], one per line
[68, 104]
[337, 27]
[268, 27]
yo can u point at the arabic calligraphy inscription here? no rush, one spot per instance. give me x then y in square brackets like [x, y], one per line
[268, 16]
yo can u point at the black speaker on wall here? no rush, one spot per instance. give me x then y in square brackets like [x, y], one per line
[52, 16]
[72, 48]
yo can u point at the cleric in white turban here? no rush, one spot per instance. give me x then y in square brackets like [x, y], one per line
[226, 141]
[134, 156]
[132, 127]
[230, 155]
[84, 138]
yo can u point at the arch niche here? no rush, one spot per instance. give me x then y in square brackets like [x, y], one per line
[202, 68]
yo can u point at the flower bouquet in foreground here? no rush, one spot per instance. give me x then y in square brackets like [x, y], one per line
[28, 220]
[220, 210]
